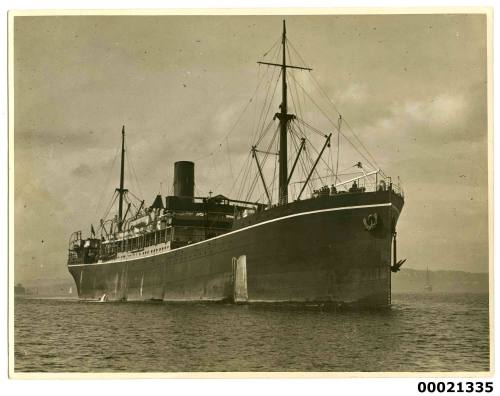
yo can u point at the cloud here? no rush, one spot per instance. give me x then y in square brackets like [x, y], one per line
[354, 93]
[82, 170]
[440, 112]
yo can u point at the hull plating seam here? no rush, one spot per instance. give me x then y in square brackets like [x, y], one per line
[242, 229]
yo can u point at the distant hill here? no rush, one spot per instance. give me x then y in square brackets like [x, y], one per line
[43, 288]
[411, 280]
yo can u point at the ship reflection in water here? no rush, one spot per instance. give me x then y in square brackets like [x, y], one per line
[424, 332]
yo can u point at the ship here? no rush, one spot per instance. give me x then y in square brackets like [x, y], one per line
[428, 285]
[331, 245]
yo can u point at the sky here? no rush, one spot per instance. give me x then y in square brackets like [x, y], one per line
[413, 88]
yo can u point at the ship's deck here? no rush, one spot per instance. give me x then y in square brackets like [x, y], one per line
[339, 200]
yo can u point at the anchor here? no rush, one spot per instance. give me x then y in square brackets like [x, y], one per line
[397, 263]
[396, 267]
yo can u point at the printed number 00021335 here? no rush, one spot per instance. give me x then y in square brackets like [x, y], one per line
[455, 387]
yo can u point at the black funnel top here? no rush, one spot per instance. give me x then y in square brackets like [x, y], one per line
[184, 179]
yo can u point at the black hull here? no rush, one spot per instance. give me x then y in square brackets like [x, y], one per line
[319, 250]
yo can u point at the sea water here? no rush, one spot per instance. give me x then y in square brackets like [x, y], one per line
[420, 332]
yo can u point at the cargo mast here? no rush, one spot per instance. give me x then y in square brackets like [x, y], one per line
[284, 119]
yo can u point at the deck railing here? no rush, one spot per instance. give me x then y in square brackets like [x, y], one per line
[364, 182]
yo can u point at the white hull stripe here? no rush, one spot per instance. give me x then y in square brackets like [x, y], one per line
[240, 230]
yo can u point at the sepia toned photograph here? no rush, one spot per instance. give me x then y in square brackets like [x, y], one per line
[250, 193]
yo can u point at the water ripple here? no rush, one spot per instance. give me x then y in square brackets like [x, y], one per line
[421, 332]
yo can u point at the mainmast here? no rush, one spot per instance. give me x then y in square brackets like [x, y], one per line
[284, 119]
[121, 190]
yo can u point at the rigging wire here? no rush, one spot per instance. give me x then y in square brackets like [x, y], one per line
[272, 47]
[338, 151]
[244, 109]
[311, 161]
[276, 161]
[268, 150]
[302, 159]
[296, 146]
[266, 97]
[251, 186]
[321, 158]
[303, 133]
[263, 115]
[345, 137]
[229, 158]
[333, 124]
[264, 129]
[135, 196]
[292, 71]
[322, 91]
[304, 170]
[246, 176]
[225, 139]
[106, 182]
[131, 166]
[113, 200]
[237, 177]
[330, 169]
[271, 101]
[262, 164]
[264, 132]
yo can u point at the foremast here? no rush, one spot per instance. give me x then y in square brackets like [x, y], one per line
[284, 118]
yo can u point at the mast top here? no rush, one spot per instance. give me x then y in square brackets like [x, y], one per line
[283, 65]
